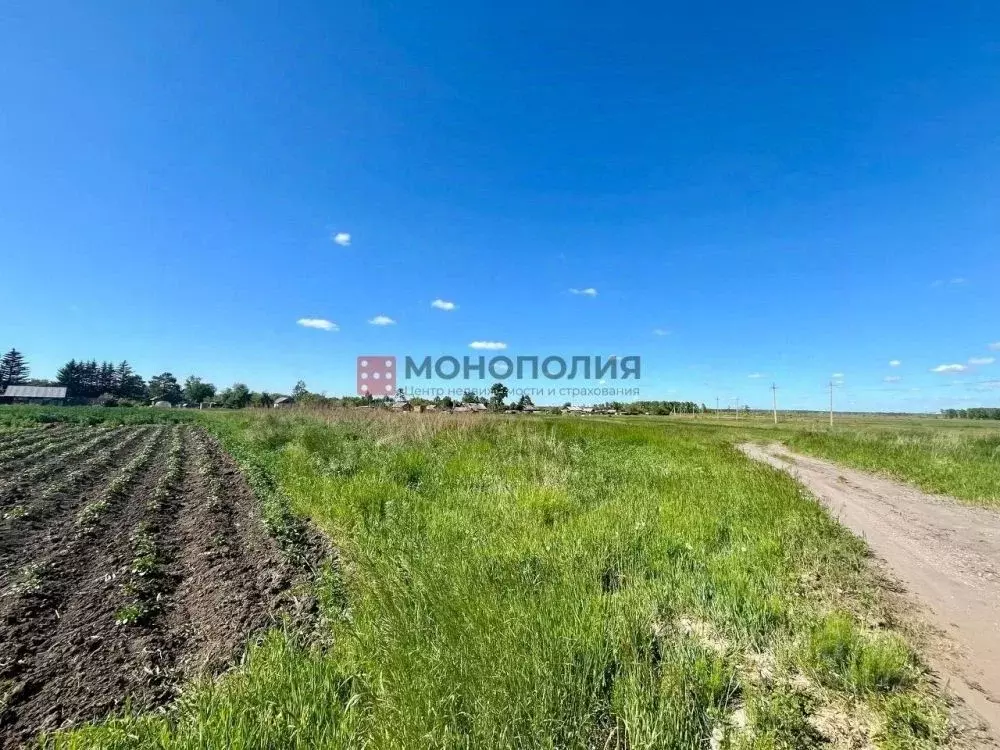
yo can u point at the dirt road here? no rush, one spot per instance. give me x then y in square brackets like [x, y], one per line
[946, 554]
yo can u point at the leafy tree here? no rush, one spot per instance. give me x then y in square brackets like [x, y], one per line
[524, 401]
[447, 403]
[164, 387]
[237, 396]
[196, 391]
[498, 392]
[263, 399]
[299, 391]
[470, 397]
[13, 369]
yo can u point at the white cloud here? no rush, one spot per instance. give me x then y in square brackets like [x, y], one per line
[661, 332]
[319, 323]
[956, 281]
[755, 375]
[588, 292]
[442, 304]
[982, 360]
[342, 238]
[892, 378]
[488, 345]
[382, 320]
[894, 363]
[995, 346]
[837, 376]
[949, 368]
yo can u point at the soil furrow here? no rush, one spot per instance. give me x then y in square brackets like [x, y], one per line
[43, 468]
[188, 534]
[25, 458]
[70, 624]
[230, 573]
[34, 559]
[62, 495]
[15, 440]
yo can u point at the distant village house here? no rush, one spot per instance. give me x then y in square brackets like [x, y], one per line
[34, 394]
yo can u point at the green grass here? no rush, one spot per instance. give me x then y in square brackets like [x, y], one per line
[844, 657]
[24, 415]
[960, 458]
[538, 583]
[950, 461]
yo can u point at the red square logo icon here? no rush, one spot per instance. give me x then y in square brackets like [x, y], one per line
[377, 376]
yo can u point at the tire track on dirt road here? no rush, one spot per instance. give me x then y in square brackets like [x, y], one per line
[946, 554]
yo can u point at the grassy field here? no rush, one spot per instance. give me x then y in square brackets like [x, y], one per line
[953, 457]
[29, 416]
[559, 583]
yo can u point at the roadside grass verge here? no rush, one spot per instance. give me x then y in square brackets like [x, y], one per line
[544, 584]
[946, 457]
[963, 464]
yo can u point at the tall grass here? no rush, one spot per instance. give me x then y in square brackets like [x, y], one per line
[962, 463]
[520, 584]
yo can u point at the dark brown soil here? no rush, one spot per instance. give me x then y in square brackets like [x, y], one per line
[219, 577]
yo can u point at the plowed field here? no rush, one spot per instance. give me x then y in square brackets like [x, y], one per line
[132, 558]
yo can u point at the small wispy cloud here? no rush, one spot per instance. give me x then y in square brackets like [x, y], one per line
[382, 320]
[894, 363]
[443, 304]
[755, 375]
[892, 378]
[982, 360]
[949, 368]
[492, 345]
[588, 292]
[318, 323]
[342, 238]
[995, 346]
[661, 332]
[955, 281]
[837, 376]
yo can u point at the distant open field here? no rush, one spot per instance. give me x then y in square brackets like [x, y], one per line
[957, 457]
[525, 582]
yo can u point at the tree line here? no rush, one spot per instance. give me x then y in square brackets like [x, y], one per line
[656, 407]
[111, 384]
[978, 412]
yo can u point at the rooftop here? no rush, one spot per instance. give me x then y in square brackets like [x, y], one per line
[34, 391]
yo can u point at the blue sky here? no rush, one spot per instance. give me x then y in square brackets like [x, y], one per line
[786, 190]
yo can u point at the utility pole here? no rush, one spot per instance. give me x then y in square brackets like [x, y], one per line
[774, 401]
[737, 408]
[717, 415]
[831, 403]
